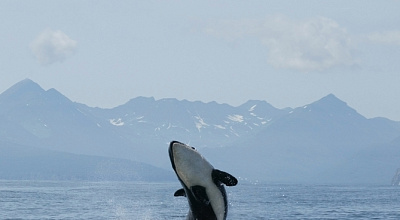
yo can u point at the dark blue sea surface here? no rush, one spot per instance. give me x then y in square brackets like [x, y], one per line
[137, 200]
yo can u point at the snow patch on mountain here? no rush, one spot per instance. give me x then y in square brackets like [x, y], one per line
[233, 131]
[220, 127]
[252, 108]
[236, 118]
[200, 123]
[116, 122]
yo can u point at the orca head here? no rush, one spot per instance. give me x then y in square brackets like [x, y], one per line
[189, 165]
[180, 151]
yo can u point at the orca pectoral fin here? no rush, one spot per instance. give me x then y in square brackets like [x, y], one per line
[200, 194]
[224, 177]
[180, 192]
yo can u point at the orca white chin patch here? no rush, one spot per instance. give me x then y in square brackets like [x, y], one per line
[202, 184]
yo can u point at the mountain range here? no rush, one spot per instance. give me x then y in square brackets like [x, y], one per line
[324, 141]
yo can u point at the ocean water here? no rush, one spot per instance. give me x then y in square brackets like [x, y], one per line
[136, 200]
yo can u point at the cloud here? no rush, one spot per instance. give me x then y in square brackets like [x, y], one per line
[388, 37]
[52, 46]
[316, 44]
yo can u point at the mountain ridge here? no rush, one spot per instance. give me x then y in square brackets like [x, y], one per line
[327, 130]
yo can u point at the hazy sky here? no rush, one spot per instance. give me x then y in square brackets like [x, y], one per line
[288, 53]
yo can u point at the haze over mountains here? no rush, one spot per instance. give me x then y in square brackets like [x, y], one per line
[325, 141]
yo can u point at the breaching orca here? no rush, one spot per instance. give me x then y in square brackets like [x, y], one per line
[202, 184]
